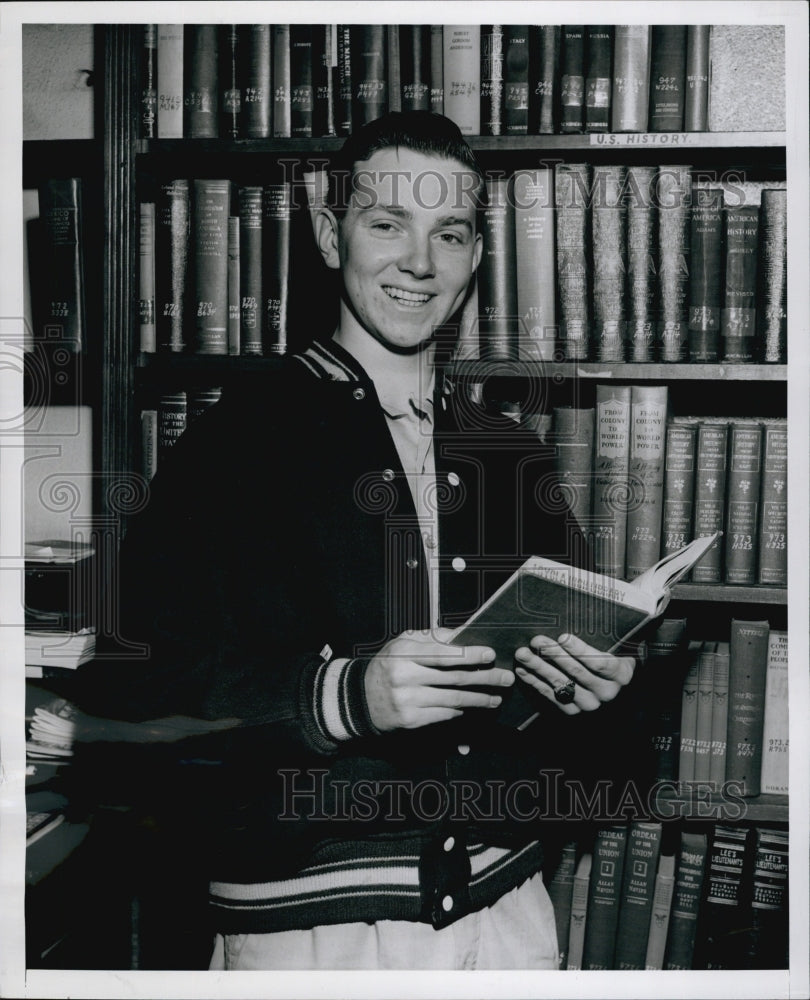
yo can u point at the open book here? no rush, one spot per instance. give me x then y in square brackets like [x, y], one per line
[544, 597]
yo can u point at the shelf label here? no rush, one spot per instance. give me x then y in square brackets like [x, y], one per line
[646, 139]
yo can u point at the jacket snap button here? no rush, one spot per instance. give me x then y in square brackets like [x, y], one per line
[359, 393]
[459, 564]
[412, 563]
[388, 475]
[447, 904]
[449, 844]
[463, 749]
[453, 479]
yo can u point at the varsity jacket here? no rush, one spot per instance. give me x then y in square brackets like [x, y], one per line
[280, 548]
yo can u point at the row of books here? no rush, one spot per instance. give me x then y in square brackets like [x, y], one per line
[719, 709]
[304, 80]
[631, 263]
[714, 900]
[616, 263]
[162, 425]
[643, 483]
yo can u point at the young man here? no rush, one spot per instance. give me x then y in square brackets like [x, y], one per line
[306, 550]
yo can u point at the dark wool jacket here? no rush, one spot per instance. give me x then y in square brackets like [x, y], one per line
[282, 528]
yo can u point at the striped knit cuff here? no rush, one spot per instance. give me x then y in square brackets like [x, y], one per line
[339, 706]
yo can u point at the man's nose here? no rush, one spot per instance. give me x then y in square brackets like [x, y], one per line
[417, 257]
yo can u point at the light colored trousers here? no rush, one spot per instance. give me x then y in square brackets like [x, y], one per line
[517, 932]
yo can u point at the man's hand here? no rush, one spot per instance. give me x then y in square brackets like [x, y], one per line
[418, 679]
[598, 677]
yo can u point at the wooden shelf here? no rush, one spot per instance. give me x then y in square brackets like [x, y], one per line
[729, 593]
[44, 158]
[700, 804]
[622, 370]
[484, 143]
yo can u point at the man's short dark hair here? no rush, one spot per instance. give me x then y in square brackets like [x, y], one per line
[422, 131]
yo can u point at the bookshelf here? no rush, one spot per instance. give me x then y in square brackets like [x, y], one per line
[125, 376]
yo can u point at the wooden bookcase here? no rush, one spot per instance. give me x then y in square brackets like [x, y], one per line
[122, 376]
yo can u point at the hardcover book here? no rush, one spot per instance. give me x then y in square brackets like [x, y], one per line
[710, 494]
[250, 270]
[256, 79]
[659, 917]
[497, 288]
[211, 209]
[545, 597]
[516, 78]
[598, 77]
[491, 79]
[707, 236]
[738, 319]
[775, 728]
[579, 912]
[560, 891]
[146, 276]
[573, 462]
[636, 900]
[742, 514]
[201, 81]
[696, 96]
[772, 277]
[674, 252]
[772, 545]
[535, 264]
[414, 54]
[282, 121]
[172, 231]
[705, 706]
[230, 93]
[609, 247]
[667, 77]
[642, 263]
[572, 78]
[648, 426]
[324, 80]
[462, 76]
[170, 81]
[369, 72]
[63, 311]
[611, 487]
[572, 190]
[679, 483]
[544, 79]
[631, 78]
[748, 664]
[717, 766]
[686, 901]
[604, 897]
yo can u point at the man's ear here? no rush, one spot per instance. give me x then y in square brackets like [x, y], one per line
[477, 251]
[327, 238]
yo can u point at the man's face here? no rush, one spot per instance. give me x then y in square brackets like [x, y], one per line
[408, 245]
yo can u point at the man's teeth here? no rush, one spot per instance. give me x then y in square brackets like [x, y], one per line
[417, 298]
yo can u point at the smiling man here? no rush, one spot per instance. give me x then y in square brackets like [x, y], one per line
[307, 549]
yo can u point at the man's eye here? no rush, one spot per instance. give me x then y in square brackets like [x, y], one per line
[451, 238]
[385, 227]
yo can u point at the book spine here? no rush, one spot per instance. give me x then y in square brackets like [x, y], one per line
[572, 199]
[648, 428]
[256, 80]
[598, 77]
[516, 79]
[281, 60]
[742, 515]
[770, 930]
[149, 81]
[775, 729]
[703, 724]
[276, 223]
[659, 916]
[394, 65]
[544, 79]
[250, 270]
[414, 41]
[172, 421]
[611, 464]
[604, 896]
[609, 246]
[369, 72]
[201, 81]
[324, 80]
[170, 81]
[772, 276]
[772, 544]
[631, 78]
[437, 68]
[462, 76]
[726, 889]
[149, 443]
[638, 886]
[572, 78]
[146, 276]
[667, 77]
[748, 662]
[172, 227]
[573, 439]
[696, 97]
[492, 79]
[579, 913]
[738, 319]
[230, 93]
[234, 308]
[301, 99]
[679, 485]
[706, 237]
[686, 901]
[717, 769]
[210, 273]
[674, 210]
[343, 115]
[689, 707]
[535, 262]
[667, 649]
[497, 286]
[560, 890]
[642, 263]
[64, 315]
[710, 493]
